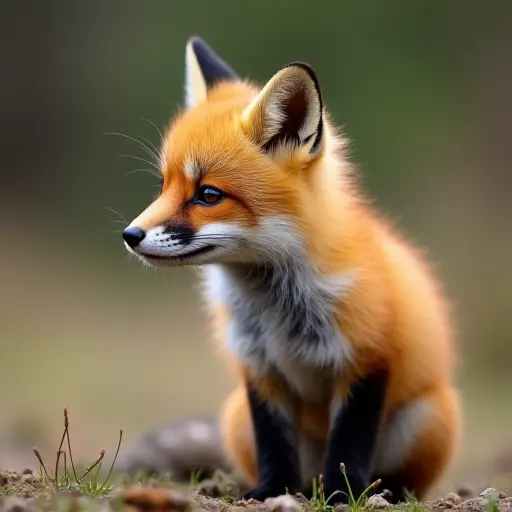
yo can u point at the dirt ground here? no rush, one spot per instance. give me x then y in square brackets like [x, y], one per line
[28, 492]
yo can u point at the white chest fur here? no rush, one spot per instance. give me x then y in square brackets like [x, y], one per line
[283, 320]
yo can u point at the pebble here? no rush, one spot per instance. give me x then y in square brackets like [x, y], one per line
[283, 503]
[29, 479]
[453, 498]
[155, 499]
[378, 501]
[490, 493]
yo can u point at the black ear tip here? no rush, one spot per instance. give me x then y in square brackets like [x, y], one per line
[305, 67]
[300, 64]
[311, 73]
[213, 67]
[196, 41]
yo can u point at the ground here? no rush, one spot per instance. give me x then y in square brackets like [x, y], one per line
[31, 491]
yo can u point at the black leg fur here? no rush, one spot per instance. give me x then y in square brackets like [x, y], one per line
[396, 484]
[352, 438]
[277, 457]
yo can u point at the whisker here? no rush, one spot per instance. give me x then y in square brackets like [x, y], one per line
[151, 171]
[117, 213]
[153, 147]
[187, 238]
[155, 126]
[212, 239]
[153, 165]
[148, 150]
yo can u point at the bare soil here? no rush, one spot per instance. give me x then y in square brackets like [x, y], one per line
[27, 492]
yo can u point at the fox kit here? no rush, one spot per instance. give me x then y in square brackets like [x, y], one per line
[335, 325]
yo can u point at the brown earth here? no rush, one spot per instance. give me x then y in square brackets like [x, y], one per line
[27, 492]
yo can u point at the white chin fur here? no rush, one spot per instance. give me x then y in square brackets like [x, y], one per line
[179, 261]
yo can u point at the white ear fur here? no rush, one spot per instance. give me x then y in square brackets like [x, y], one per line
[195, 84]
[203, 70]
[287, 111]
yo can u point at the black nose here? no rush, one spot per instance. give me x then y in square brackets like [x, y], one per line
[133, 236]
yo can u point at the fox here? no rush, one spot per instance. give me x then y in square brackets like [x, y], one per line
[338, 331]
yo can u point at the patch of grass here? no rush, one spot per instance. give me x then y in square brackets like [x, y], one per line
[359, 504]
[194, 478]
[319, 502]
[148, 479]
[493, 503]
[220, 485]
[411, 504]
[89, 482]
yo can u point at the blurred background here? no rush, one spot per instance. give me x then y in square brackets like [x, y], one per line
[421, 88]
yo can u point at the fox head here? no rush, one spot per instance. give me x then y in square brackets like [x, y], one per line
[238, 168]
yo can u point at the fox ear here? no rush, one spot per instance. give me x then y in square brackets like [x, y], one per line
[288, 112]
[204, 69]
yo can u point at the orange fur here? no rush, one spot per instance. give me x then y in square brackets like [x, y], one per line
[394, 314]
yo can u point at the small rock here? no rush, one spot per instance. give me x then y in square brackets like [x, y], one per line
[283, 503]
[3, 480]
[251, 501]
[13, 504]
[490, 493]
[466, 504]
[181, 448]
[29, 479]
[155, 499]
[502, 495]
[209, 487]
[453, 498]
[13, 477]
[27, 471]
[378, 501]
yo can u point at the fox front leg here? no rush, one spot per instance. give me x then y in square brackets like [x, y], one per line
[276, 450]
[352, 438]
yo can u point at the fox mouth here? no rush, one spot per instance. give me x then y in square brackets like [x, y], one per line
[182, 256]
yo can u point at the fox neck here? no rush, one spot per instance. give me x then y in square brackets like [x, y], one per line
[280, 313]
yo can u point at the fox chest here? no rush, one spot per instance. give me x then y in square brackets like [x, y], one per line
[277, 326]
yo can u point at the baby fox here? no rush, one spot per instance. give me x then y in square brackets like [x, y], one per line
[339, 332]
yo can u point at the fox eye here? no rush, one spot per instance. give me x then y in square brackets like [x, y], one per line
[209, 196]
